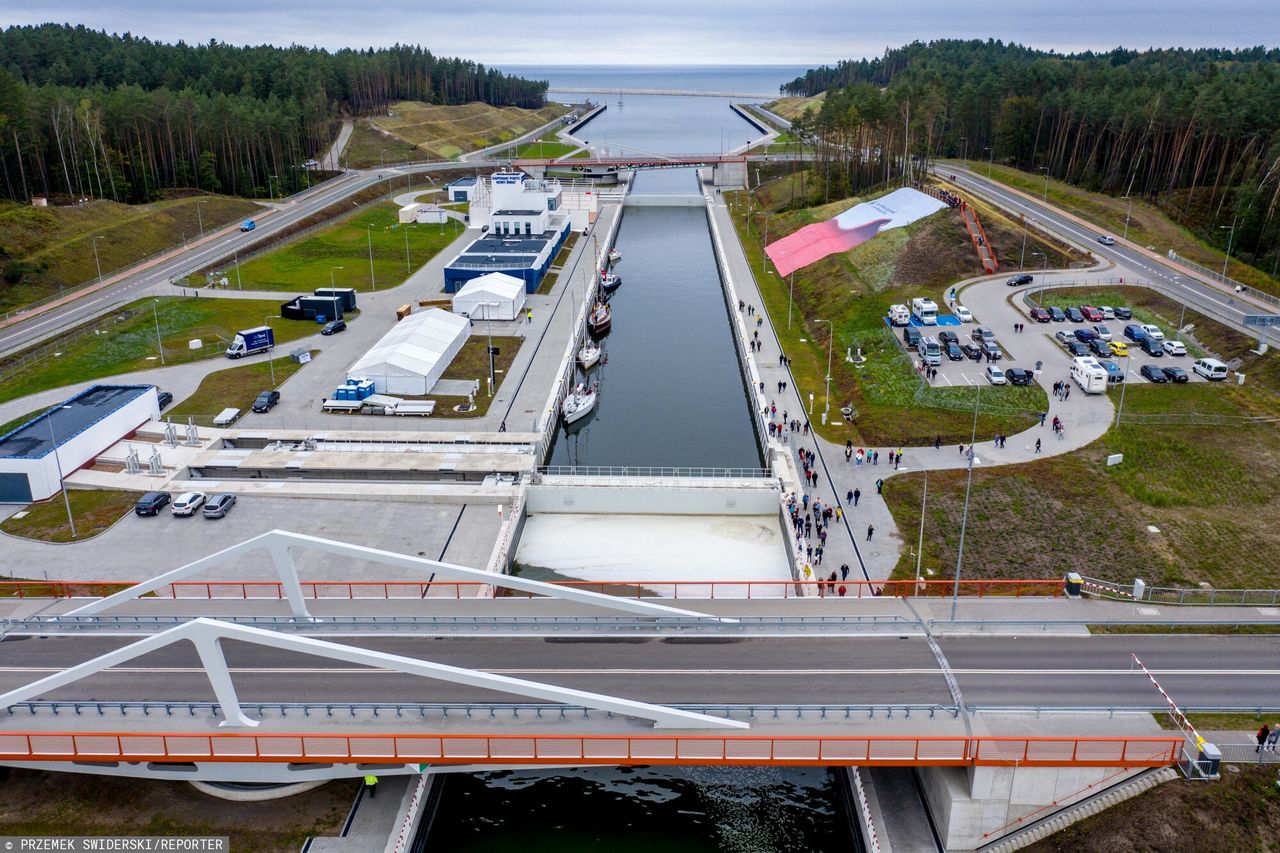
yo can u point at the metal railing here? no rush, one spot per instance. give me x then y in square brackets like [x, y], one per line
[1184, 596]
[1238, 286]
[1247, 753]
[406, 748]
[652, 471]
[868, 823]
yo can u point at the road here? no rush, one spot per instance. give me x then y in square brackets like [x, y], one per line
[1235, 671]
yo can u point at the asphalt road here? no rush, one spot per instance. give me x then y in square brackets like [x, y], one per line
[997, 671]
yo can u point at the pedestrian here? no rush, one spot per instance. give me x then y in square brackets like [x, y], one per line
[1037, 445]
[371, 785]
[879, 487]
[1274, 737]
[856, 494]
[817, 552]
[962, 450]
[896, 460]
[808, 527]
[937, 443]
[842, 590]
[1263, 734]
[839, 513]
[848, 498]
[741, 304]
[1066, 392]
[875, 457]
[806, 427]
[871, 529]
[844, 571]
[1042, 417]
[780, 357]
[804, 500]
[528, 318]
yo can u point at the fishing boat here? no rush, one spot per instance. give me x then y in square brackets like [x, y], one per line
[601, 319]
[579, 403]
[614, 256]
[610, 282]
[589, 355]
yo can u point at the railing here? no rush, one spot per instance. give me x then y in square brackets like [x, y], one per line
[868, 823]
[1247, 753]
[1238, 286]
[1177, 595]
[406, 748]
[648, 471]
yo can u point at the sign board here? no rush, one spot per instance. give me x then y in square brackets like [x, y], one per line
[506, 179]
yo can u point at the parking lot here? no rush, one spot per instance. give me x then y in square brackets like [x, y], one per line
[963, 372]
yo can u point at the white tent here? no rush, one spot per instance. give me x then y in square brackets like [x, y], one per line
[474, 299]
[410, 358]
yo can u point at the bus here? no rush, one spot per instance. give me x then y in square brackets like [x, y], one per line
[1089, 375]
[925, 310]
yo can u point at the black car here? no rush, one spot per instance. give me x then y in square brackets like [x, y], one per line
[1175, 374]
[953, 351]
[982, 334]
[266, 400]
[1151, 347]
[333, 327]
[1123, 314]
[1100, 348]
[151, 503]
[911, 337]
[1077, 349]
[1153, 374]
[972, 351]
[1057, 315]
[164, 398]
[948, 337]
[1019, 280]
[1018, 375]
[1074, 315]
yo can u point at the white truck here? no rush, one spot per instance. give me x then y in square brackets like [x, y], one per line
[925, 310]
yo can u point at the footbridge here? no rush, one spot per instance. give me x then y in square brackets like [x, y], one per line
[726, 169]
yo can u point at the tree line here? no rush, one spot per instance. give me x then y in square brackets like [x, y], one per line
[1195, 131]
[87, 114]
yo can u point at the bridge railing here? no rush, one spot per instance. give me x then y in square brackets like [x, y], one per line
[1180, 595]
[652, 471]
[406, 748]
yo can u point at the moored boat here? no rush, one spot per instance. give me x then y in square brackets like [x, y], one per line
[614, 256]
[601, 319]
[579, 403]
[610, 282]
[589, 356]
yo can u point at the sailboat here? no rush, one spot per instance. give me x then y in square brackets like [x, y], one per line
[589, 355]
[578, 404]
[614, 255]
[610, 282]
[601, 319]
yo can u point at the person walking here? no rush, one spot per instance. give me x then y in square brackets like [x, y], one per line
[528, 318]
[937, 443]
[848, 497]
[371, 785]
[857, 495]
[1037, 445]
[1066, 392]
[871, 529]
[1274, 738]
[1263, 734]
[844, 571]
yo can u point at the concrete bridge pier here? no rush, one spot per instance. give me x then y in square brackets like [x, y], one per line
[729, 175]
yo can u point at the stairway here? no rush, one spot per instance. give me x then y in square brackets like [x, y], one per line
[978, 236]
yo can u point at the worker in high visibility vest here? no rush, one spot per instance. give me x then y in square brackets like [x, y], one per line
[371, 785]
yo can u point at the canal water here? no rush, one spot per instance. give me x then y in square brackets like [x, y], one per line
[671, 394]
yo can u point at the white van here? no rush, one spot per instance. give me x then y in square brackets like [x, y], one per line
[899, 315]
[932, 351]
[1089, 375]
[925, 310]
[1210, 368]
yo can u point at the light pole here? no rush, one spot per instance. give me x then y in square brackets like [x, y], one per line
[990, 160]
[200, 218]
[266, 321]
[1128, 212]
[373, 282]
[159, 343]
[1045, 266]
[830, 340]
[488, 328]
[1128, 193]
[791, 290]
[271, 182]
[763, 257]
[96, 262]
[964, 519]
[1124, 382]
[1045, 198]
[924, 500]
[1023, 257]
[58, 461]
[1230, 237]
[236, 256]
[331, 269]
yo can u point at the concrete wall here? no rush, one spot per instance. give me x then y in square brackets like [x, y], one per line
[634, 200]
[653, 500]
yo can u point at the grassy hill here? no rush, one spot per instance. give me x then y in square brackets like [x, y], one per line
[418, 131]
[44, 250]
[792, 108]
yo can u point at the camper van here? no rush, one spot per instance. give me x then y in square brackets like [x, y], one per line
[925, 311]
[1210, 368]
[899, 315]
[1089, 375]
[932, 351]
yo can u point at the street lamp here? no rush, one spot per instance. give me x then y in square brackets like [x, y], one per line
[235, 254]
[1124, 382]
[96, 263]
[373, 282]
[1022, 257]
[830, 340]
[200, 218]
[488, 329]
[1230, 237]
[58, 461]
[266, 321]
[964, 519]
[1045, 198]
[763, 257]
[791, 290]
[1128, 212]
[1045, 265]
[990, 160]
[331, 269]
[155, 316]
[271, 186]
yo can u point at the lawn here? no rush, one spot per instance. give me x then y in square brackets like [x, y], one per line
[94, 510]
[309, 262]
[1149, 225]
[125, 340]
[233, 388]
[369, 147]
[792, 108]
[445, 132]
[544, 150]
[47, 250]
[472, 362]
[854, 290]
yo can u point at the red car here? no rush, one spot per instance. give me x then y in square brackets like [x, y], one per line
[1040, 315]
[1093, 315]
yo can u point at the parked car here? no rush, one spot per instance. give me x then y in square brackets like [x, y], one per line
[266, 400]
[1102, 331]
[971, 351]
[995, 375]
[911, 337]
[1086, 335]
[1135, 333]
[1153, 331]
[1019, 280]
[962, 314]
[1057, 314]
[1099, 347]
[1074, 315]
[991, 350]
[151, 503]
[1175, 347]
[982, 334]
[953, 351]
[1063, 336]
[1176, 374]
[1019, 376]
[219, 505]
[948, 337]
[1040, 315]
[1114, 373]
[333, 327]
[1119, 348]
[1108, 313]
[1151, 373]
[1151, 347]
[1093, 315]
[164, 398]
[1077, 349]
[1107, 240]
[1123, 313]
[187, 503]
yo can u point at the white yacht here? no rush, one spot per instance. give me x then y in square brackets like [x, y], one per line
[579, 403]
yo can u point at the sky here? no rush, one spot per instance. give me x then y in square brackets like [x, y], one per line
[681, 32]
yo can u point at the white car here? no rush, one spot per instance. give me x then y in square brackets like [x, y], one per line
[1153, 332]
[188, 502]
[1102, 331]
[995, 375]
[1107, 240]
[1108, 313]
[962, 314]
[1174, 348]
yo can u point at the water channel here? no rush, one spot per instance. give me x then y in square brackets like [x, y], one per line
[672, 394]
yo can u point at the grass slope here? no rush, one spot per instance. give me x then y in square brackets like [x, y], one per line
[126, 340]
[370, 146]
[305, 264]
[445, 132]
[55, 244]
[94, 510]
[234, 387]
[792, 108]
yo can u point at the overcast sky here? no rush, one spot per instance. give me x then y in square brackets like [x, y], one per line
[561, 32]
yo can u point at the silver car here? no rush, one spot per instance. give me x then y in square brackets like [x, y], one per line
[219, 505]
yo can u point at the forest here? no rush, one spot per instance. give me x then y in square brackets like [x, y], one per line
[87, 114]
[1196, 132]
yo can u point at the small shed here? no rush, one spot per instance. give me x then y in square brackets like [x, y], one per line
[409, 213]
[496, 296]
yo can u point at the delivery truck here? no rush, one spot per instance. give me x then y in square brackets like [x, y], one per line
[251, 341]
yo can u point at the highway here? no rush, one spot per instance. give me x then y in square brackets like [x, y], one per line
[1007, 671]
